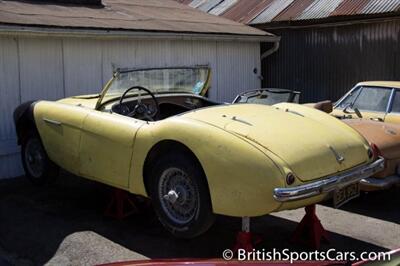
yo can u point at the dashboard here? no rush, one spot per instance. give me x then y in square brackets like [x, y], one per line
[168, 105]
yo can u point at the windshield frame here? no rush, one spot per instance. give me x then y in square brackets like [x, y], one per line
[118, 71]
[254, 93]
[348, 94]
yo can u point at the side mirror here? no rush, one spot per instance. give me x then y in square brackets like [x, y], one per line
[348, 110]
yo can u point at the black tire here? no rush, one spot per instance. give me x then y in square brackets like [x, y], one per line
[37, 165]
[192, 182]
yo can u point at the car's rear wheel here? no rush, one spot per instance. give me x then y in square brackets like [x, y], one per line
[180, 195]
[37, 165]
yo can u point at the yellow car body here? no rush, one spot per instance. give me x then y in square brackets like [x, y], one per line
[247, 151]
[390, 101]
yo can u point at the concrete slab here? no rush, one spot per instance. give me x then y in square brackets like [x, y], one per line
[89, 248]
[361, 227]
[63, 224]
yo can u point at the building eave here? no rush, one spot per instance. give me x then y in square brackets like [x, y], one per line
[40, 31]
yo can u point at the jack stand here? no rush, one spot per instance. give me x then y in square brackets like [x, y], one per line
[121, 205]
[310, 230]
[245, 239]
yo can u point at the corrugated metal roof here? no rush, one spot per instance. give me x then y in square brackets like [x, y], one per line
[380, 6]
[272, 11]
[246, 10]
[197, 3]
[222, 7]
[209, 4]
[350, 7]
[132, 15]
[319, 9]
[265, 11]
[293, 11]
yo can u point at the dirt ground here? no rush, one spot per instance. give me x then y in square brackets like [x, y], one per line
[64, 224]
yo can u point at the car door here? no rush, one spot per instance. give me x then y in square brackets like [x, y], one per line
[373, 102]
[59, 126]
[393, 116]
[106, 147]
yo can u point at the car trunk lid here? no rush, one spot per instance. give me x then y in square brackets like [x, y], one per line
[312, 149]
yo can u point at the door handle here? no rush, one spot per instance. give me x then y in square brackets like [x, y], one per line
[377, 119]
[53, 122]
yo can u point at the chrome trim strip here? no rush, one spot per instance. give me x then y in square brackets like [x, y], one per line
[54, 122]
[328, 184]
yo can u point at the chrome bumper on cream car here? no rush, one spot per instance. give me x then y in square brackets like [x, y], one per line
[328, 184]
[372, 183]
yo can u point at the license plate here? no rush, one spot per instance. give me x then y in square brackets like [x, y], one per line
[345, 194]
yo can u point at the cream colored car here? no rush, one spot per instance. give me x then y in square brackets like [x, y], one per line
[152, 132]
[375, 100]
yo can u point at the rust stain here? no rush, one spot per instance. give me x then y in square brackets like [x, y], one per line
[245, 11]
[350, 7]
[293, 10]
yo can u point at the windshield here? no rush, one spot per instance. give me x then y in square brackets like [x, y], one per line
[349, 99]
[161, 80]
[268, 96]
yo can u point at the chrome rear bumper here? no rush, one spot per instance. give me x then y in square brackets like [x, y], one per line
[371, 183]
[329, 183]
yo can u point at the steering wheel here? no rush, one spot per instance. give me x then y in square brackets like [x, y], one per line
[140, 108]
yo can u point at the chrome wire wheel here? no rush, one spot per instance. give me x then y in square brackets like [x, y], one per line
[179, 195]
[35, 158]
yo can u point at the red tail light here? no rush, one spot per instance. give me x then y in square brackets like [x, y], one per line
[375, 151]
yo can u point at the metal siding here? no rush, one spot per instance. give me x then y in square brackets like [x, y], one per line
[179, 53]
[9, 100]
[272, 11]
[324, 63]
[9, 86]
[41, 69]
[236, 72]
[82, 66]
[205, 53]
[118, 54]
[50, 66]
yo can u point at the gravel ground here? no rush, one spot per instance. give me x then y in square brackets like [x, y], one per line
[63, 224]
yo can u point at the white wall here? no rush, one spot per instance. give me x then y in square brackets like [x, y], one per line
[34, 68]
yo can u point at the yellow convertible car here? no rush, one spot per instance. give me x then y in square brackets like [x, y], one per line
[152, 132]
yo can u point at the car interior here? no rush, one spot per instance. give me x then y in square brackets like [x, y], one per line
[161, 107]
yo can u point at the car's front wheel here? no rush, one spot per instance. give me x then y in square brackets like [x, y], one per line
[38, 167]
[180, 195]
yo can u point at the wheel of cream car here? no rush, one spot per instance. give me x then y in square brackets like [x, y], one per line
[180, 194]
[38, 167]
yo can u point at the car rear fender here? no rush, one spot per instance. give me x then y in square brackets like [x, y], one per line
[24, 120]
[241, 178]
